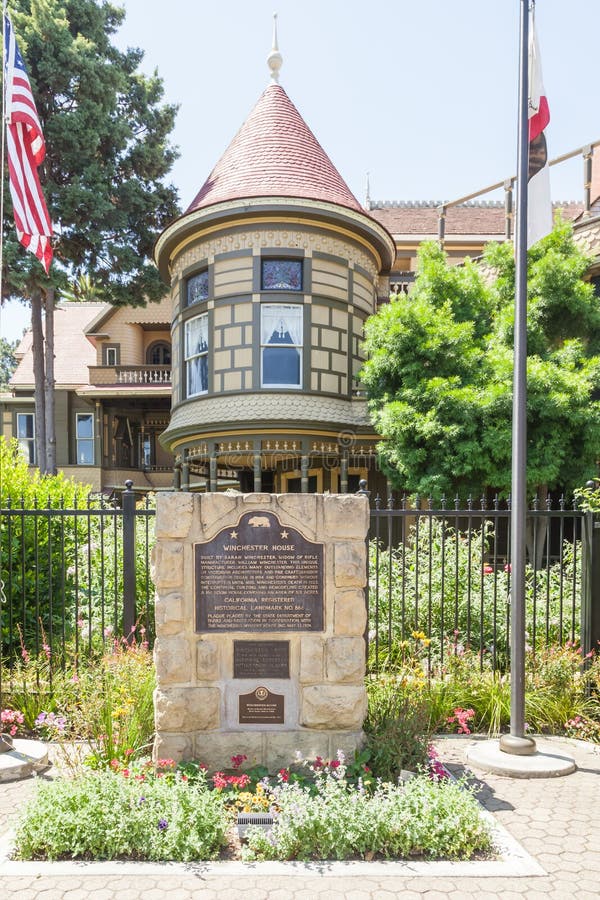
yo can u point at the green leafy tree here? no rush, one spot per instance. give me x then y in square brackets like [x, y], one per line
[8, 360]
[37, 553]
[439, 372]
[107, 155]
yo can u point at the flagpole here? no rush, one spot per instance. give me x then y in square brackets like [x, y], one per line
[516, 742]
[2, 166]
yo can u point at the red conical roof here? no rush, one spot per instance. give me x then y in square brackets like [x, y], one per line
[274, 154]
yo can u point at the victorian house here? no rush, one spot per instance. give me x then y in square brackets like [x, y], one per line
[246, 375]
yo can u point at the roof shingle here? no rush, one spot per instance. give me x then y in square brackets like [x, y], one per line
[274, 154]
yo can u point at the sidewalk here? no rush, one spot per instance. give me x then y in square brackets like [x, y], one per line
[556, 820]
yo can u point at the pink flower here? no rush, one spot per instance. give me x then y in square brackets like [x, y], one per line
[508, 567]
[219, 781]
[236, 761]
[334, 763]
[488, 570]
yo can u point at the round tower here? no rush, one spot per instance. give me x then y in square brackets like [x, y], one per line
[273, 268]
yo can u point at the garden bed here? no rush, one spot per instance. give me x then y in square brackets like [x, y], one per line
[168, 814]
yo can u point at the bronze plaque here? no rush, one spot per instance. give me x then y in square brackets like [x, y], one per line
[261, 659]
[259, 575]
[261, 707]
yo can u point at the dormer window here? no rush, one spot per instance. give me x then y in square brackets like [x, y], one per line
[197, 288]
[281, 275]
[281, 345]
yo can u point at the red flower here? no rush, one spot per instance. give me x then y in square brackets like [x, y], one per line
[488, 570]
[334, 763]
[319, 762]
[236, 761]
[284, 774]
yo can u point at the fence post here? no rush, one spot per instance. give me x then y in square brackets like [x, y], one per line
[128, 560]
[363, 492]
[590, 582]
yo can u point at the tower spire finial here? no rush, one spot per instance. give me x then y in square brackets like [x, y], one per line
[275, 59]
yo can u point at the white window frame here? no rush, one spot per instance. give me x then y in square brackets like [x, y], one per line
[114, 352]
[84, 440]
[27, 444]
[191, 354]
[297, 344]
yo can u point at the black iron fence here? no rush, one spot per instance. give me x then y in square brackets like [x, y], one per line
[439, 580]
[73, 579]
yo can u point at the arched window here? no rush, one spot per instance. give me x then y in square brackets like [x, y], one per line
[159, 354]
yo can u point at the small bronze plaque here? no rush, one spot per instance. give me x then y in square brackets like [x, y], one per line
[261, 707]
[261, 659]
[259, 575]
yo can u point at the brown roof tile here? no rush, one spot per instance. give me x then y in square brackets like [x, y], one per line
[274, 154]
[469, 218]
[73, 351]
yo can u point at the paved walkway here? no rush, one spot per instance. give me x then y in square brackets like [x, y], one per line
[556, 820]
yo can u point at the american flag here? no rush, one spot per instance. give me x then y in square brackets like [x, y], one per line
[26, 151]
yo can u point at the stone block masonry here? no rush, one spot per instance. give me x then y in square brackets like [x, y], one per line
[249, 575]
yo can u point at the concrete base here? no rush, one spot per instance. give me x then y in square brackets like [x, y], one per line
[544, 763]
[23, 760]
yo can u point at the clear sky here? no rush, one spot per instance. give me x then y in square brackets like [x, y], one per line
[422, 94]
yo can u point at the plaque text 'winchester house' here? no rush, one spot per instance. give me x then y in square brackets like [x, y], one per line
[259, 576]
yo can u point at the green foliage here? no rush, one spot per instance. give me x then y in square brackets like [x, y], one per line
[100, 567]
[421, 817]
[8, 360]
[398, 726]
[439, 372]
[469, 597]
[105, 700]
[37, 552]
[562, 694]
[105, 816]
[112, 707]
[107, 151]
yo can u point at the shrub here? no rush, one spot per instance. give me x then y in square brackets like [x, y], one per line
[468, 596]
[421, 817]
[398, 726]
[37, 553]
[106, 816]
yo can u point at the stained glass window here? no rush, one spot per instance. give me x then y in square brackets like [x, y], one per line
[281, 275]
[281, 345]
[197, 288]
[196, 355]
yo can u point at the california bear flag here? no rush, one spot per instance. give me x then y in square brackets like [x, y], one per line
[539, 218]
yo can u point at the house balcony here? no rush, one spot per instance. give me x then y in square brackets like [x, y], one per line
[130, 375]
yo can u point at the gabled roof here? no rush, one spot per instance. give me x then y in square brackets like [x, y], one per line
[274, 154]
[72, 350]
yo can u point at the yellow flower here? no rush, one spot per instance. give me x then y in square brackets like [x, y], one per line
[419, 635]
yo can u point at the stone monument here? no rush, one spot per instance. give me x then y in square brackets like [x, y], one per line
[260, 626]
